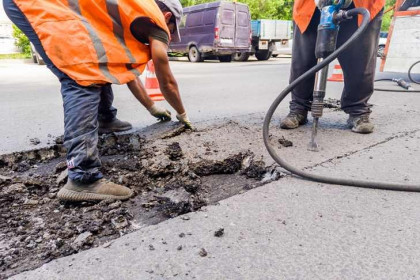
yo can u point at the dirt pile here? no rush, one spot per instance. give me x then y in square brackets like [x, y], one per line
[169, 175]
[332, 103]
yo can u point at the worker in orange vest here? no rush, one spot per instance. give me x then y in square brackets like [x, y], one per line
[358, 63]
[90, 45]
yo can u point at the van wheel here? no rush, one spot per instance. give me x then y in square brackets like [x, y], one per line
[240, 56]
[34, 58]
[263, 55]
[225, 58]
[194, 55]
[39, 59]
[381, 51]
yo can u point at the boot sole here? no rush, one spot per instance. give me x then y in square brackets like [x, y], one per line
[69, 195]
[283, 126]
[362, 131]
[286, 126]
[109, 130]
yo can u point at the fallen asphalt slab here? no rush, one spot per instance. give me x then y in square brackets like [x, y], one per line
[288, 229]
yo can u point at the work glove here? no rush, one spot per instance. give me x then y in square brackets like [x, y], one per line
[183, 118]
[161, 113]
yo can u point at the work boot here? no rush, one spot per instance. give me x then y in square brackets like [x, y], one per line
[115, 125]
[294, 120]
[99, 190]
[360, 124]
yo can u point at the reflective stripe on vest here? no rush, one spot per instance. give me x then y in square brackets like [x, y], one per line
[303, 10]
[90, 40]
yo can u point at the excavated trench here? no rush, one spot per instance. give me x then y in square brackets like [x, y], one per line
[172, 174]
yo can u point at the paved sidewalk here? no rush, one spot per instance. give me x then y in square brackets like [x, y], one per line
[290, 229]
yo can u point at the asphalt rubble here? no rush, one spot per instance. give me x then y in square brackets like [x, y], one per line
[171, 173]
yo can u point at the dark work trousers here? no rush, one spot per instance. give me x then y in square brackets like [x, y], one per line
[358, 63]
[82, 108]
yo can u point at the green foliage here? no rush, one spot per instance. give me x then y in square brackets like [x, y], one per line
[22, 42]
[260, 9]
[386, 21]
[269, 9]
[282, 9]
[14, 56]
[186, 3]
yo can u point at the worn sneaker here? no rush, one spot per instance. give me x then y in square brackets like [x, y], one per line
[360, 124]
[294, 120]
[115, 125]
[99, 190]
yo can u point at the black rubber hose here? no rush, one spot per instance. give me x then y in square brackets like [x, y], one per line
[396, 90]
[393, 90]
[400, 90]
[285, 92]
[409, 73]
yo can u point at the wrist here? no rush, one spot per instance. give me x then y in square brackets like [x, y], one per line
[152, 109]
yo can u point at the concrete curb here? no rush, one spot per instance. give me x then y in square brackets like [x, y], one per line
[176, 58]
[16, 61]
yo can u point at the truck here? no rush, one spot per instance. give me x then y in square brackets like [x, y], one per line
[217, 29]
[268, 37]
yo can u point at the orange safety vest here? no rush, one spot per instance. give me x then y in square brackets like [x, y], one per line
[303, 10]
[90, 40]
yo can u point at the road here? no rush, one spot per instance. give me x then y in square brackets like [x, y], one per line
[288, 229]
[31, 103]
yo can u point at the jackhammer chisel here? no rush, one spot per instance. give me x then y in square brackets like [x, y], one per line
[332, 14]
[325, 45]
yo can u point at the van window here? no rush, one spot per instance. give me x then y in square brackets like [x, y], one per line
[243, 19]
[195, 19]
[209, 17]
[228, 17]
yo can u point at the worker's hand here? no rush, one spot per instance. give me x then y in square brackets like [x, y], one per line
[183, 118]
[161, 113]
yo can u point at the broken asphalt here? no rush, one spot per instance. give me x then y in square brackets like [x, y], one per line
[284, 228]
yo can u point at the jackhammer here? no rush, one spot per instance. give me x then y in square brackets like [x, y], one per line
[326, 41]
[332, 14]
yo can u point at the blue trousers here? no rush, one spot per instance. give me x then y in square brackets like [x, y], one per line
[83, 106]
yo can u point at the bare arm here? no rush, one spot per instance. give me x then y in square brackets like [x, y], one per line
[166, 79]
[139, 91]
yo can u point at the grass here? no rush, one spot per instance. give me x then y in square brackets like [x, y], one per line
[15, 56]
[175, 54]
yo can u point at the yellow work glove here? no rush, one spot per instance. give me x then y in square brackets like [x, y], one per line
[161, 113]
[183, 118]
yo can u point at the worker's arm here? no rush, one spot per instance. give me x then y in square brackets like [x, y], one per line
[138, 90]
[166, 79]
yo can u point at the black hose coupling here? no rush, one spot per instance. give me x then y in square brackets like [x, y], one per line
[402, 83]
[342, 16]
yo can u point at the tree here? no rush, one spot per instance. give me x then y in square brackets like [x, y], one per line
[186, 3]
[260, 9]
[270, 9]
[387, 18]
[22, 42]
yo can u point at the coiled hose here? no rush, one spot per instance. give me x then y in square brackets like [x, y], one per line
[285, 92]
[409, 73]
[410, 77]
